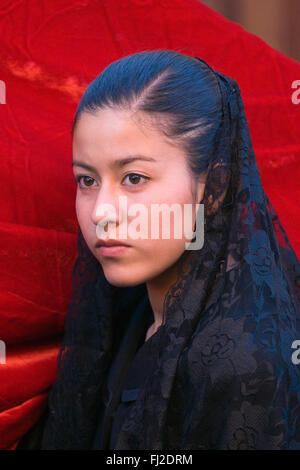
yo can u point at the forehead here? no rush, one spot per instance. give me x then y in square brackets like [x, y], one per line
[116, 134]
[110, 126]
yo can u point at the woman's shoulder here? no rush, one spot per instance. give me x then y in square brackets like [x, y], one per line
[234, 347]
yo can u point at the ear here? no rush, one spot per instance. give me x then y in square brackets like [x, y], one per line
[200, 187]
[200, 193]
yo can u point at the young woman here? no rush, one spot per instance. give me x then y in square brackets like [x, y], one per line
[167, 347]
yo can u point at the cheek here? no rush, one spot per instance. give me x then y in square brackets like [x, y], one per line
[82, 221]
[83, 218]
[175, 220]
[83, 210]
[149, 259]
[154, 256]
[78, 207]
[162, 255]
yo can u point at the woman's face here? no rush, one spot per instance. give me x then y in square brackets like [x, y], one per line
[101, 141]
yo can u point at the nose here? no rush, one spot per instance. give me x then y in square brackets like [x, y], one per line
[106, 208]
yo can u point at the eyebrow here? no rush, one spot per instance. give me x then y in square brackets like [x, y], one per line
[117, 163]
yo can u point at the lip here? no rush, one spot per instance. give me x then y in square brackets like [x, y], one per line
[109, 242]
[113, 250]
[111, 247]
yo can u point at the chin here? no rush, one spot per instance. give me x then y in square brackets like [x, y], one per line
[122, 281]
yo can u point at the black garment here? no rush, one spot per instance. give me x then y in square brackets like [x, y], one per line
[126, 376]
[32, 440]
[135, 370]
[224, 377]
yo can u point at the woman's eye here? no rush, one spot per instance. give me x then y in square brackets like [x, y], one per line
[88, 181]
[135, 178]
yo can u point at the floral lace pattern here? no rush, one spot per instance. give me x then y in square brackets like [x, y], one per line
[223, 377]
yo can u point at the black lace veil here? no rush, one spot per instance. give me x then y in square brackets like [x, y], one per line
[236, 303]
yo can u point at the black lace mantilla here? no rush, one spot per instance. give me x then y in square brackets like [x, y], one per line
[224, 376]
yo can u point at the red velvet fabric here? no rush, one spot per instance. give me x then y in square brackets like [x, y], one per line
[50, 51]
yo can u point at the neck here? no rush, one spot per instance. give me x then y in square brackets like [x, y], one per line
[157, 289]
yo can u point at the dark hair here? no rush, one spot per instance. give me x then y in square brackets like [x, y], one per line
[180, 93]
